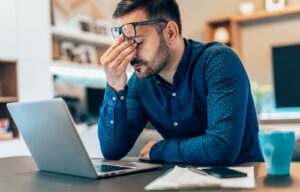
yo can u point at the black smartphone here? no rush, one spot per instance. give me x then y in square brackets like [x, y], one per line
[223, 172]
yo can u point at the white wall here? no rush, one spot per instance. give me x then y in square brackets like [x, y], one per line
[34, 50]
[8, 29]
[25, 37]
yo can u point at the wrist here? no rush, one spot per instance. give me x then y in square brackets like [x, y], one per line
[116, 88]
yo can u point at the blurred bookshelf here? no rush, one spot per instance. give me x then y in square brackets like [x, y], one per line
[8, 94]
[81, 37]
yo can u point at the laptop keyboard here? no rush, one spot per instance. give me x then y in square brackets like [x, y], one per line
[107, 168]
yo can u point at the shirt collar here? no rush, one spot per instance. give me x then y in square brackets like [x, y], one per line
[183, 64]
[181, 69]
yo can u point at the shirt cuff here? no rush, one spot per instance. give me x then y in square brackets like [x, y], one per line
[113, 98]
[166, 150]
[156, 151]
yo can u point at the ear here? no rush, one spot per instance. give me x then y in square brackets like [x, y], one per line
[171, 33]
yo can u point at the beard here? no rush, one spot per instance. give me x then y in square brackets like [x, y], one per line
[160, 62]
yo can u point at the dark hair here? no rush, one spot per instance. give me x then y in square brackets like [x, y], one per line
[154, 9]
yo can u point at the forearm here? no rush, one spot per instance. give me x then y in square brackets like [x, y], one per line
[112, 134]
[113, 137]
[121, 122]
[206, 149]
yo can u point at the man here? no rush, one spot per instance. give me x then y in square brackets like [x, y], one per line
[196, 95]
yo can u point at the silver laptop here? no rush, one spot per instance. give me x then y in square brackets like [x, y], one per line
[50, 134]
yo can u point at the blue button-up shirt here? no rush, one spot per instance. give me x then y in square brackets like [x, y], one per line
[206, 117]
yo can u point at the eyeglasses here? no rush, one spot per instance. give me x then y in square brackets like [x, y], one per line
[129, 31]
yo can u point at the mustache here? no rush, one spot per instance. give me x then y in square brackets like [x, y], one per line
[137, 61]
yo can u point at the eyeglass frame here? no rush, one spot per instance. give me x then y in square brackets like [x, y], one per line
[141, 23]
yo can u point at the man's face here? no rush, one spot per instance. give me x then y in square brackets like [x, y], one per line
[152, 51]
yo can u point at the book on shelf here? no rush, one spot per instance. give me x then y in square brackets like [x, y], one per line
[6, 132]
[87, 24]
[4, 125]
[6, 136]
[76, 53]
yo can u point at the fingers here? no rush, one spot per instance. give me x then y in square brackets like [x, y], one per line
[115, 45]
[127, 60]
[115, 60]
[120, 68]
[144, 151]
[119, 49]
[125, 57]
[147, 148]
[144, 157]
[118, 54]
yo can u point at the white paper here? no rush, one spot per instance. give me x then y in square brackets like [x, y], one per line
[183, 178]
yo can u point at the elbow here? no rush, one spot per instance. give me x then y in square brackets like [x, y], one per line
[109, 149]
[110, 155]
[224, 156]
[222, 151]
[226, 159]
[113, 151]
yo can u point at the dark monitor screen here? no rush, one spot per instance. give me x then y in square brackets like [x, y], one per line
[94, 98]
[286, 71]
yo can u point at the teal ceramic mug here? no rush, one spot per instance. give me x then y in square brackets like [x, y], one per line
[277, 148]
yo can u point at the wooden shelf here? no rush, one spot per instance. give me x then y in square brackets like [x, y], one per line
[9, 93]
[216, 21]
[7, 61]
[70, 64]
[73, 65]
[82, 37]
[65, 68]
[6, 136]
[232, 24]
[70, 69]
[279, 121]
[265, 14]
[8, 99]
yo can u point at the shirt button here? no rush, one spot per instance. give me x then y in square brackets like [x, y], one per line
[114, 98]
[174, 94]
[111, 121]
[175, 124]
[122, 98]
[157, 82]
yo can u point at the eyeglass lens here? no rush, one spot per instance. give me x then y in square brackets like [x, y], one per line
[128, 30]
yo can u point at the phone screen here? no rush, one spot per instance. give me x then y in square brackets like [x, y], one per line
[224, 172]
